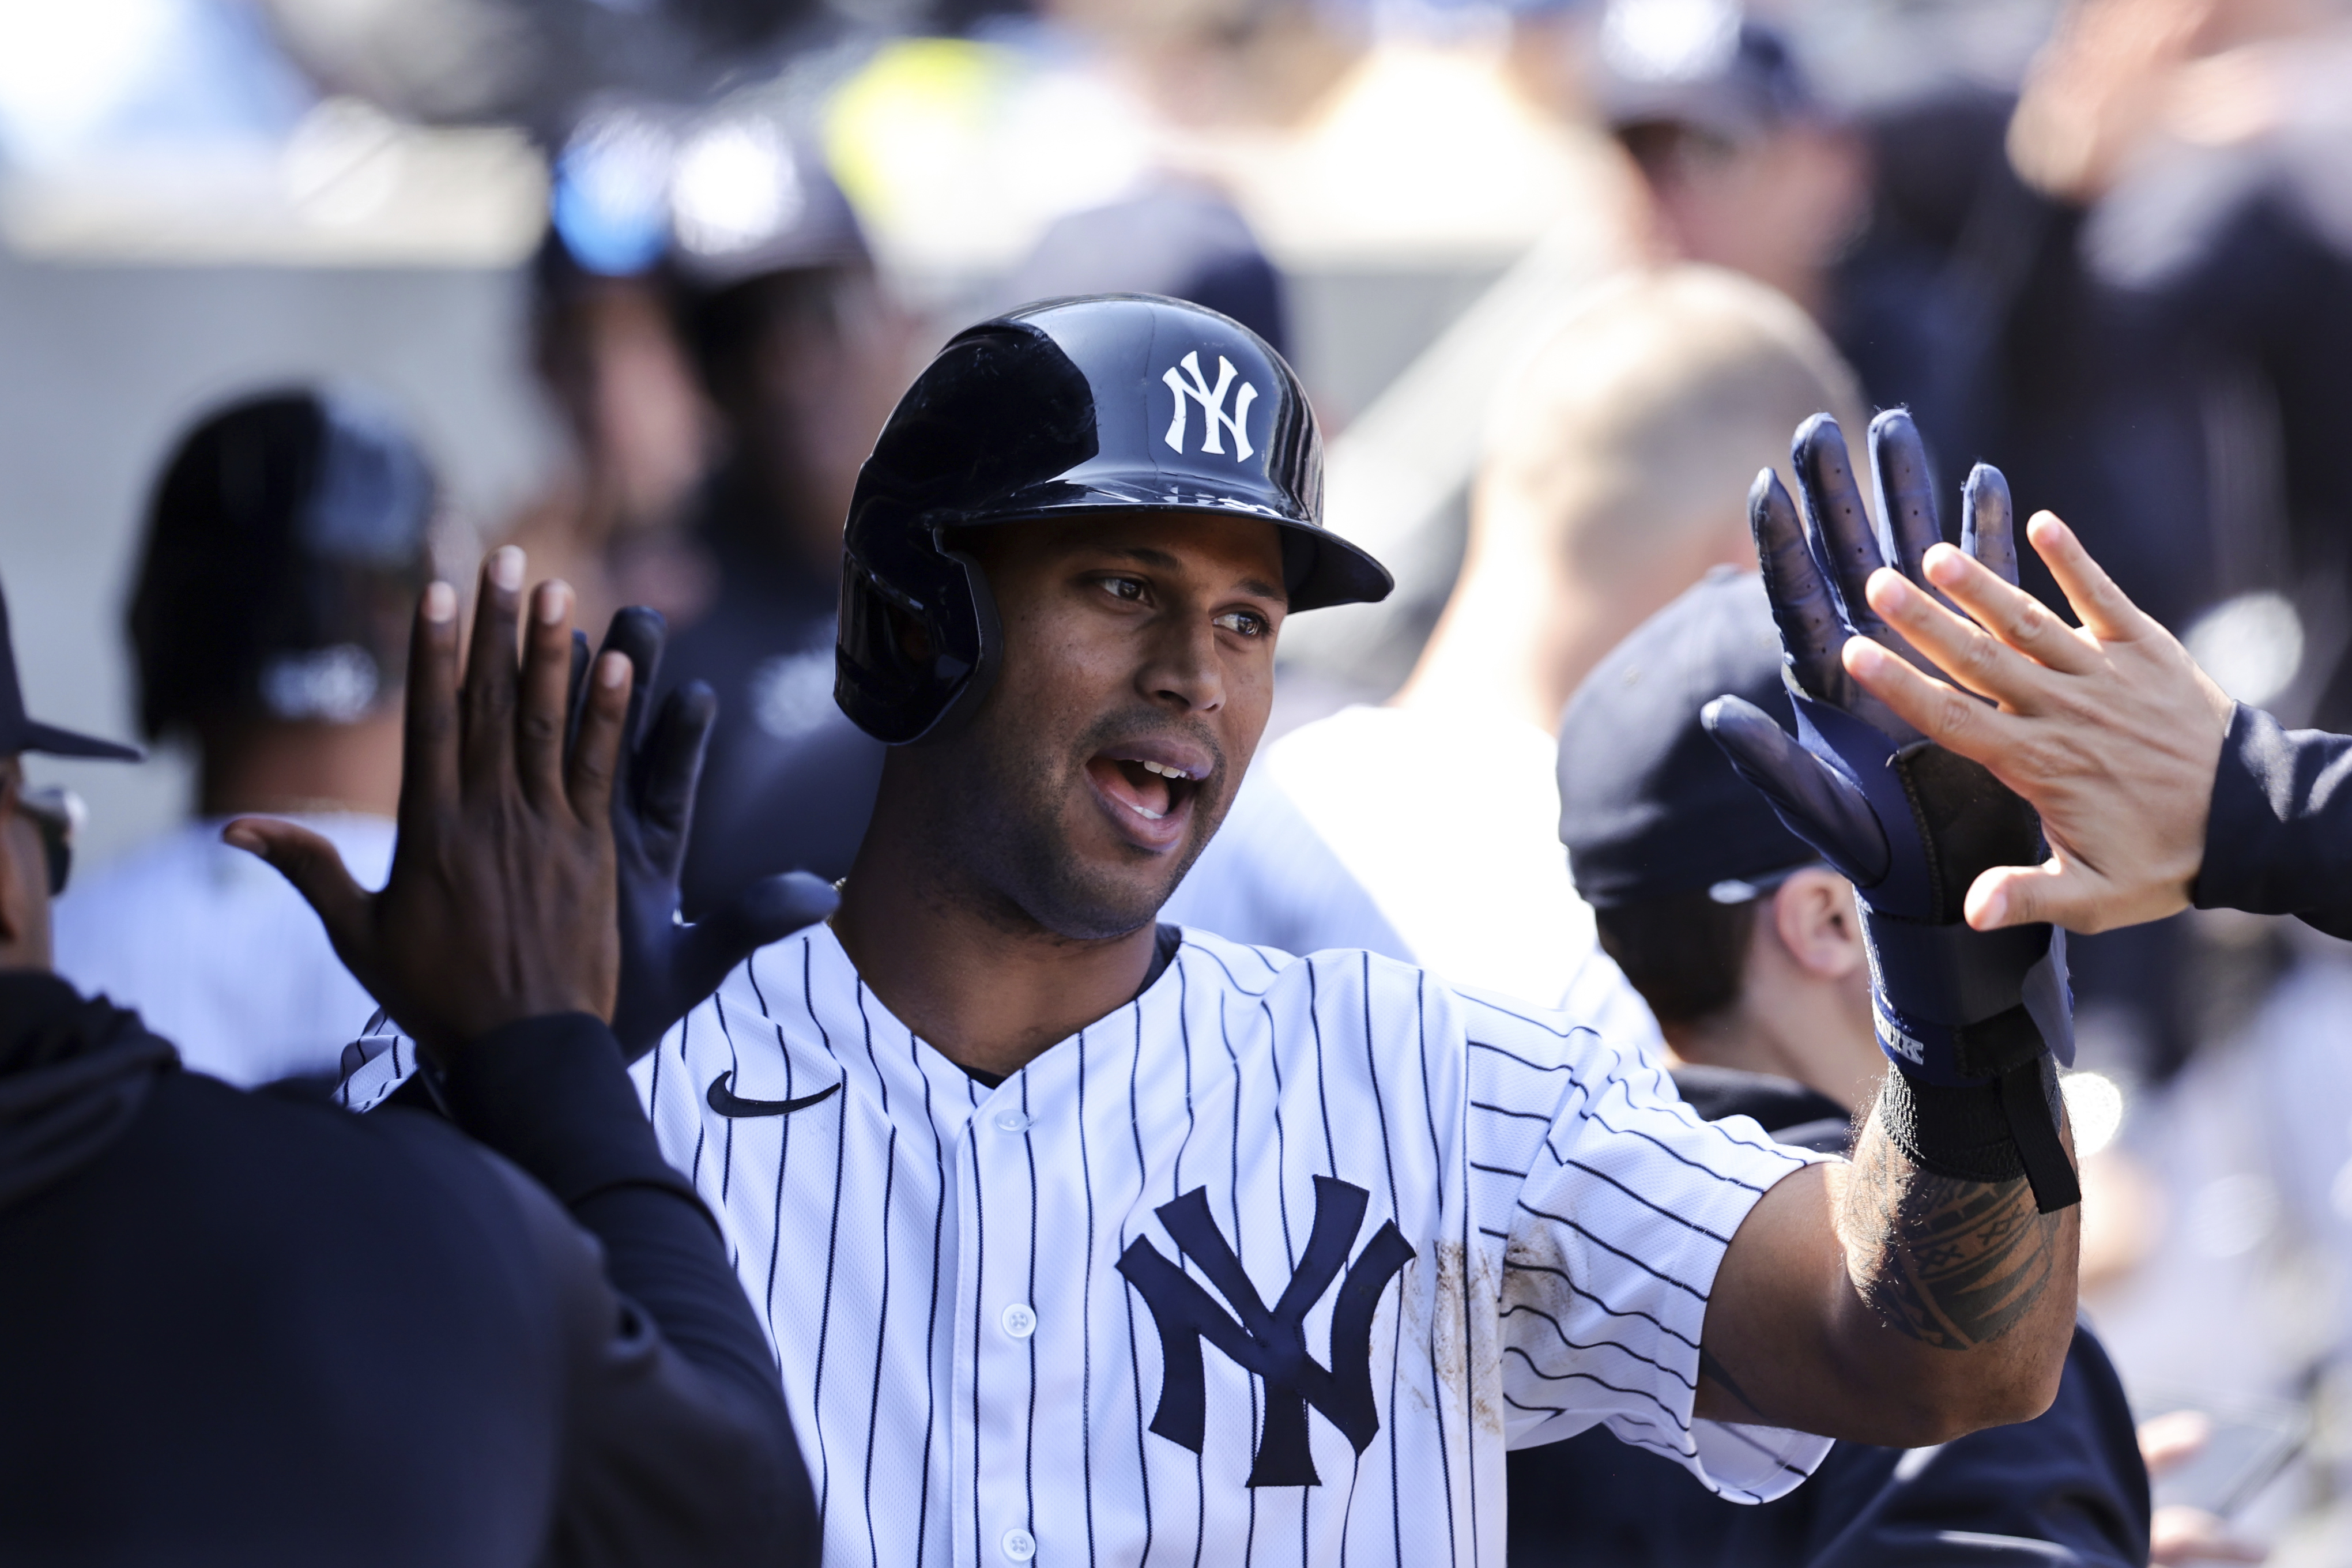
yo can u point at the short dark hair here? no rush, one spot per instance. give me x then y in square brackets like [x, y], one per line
[723, 330]
[1685, 953]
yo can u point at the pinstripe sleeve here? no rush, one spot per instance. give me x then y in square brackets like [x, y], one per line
[1612, 1203]
[375, 1065]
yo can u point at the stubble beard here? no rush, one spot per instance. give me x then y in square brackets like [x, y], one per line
[1001, 826]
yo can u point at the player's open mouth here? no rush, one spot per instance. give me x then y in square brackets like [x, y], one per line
[1149, 787]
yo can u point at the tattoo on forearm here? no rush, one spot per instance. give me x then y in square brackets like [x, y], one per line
[1954, 1264]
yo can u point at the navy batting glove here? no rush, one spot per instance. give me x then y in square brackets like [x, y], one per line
[1970, 1019]
[666, 965]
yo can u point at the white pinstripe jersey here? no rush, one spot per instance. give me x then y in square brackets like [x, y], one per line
[1319, 1223]
[218, 952]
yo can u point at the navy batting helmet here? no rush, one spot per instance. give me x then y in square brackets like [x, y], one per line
[286, 546]
[1116, 403]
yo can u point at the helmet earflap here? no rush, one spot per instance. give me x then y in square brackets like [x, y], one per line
[910, 667]
[973, 684]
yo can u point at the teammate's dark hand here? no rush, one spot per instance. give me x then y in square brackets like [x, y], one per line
[501, 902]
[666, 965]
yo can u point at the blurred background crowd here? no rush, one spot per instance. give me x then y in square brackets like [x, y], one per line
[632, 283]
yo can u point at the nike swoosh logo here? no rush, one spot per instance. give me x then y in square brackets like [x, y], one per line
[728, 1103]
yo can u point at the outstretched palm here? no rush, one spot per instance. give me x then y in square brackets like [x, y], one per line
[500, 901]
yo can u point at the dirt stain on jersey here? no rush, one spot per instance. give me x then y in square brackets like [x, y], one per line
[1536, 1273]
[1450, 1308]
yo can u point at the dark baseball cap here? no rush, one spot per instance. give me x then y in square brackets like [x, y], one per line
[287, 541]
[1697, 63]
[1649, 805]
[20, 733]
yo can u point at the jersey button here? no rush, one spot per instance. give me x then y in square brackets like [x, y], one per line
[1020, 1322]
[1013, 1121]
[1020, 1545]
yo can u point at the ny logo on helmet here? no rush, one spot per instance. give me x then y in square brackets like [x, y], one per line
[1211, 400]
[1271, 1344]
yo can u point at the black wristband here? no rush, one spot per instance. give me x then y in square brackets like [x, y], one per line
[1956, 1132]
[1988, 1132]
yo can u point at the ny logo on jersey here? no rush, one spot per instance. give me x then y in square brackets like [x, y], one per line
[1216, 423]
[1272, 1344]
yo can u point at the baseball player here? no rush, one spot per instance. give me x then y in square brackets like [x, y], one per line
[1749, 950]
[286, 544]
[1085, 1239]
[798, 346]
[524, 1343]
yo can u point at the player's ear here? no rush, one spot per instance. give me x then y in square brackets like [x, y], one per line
[1813, 913]
[24, 879]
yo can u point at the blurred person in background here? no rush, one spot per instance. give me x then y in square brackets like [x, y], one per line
[801, 350]
[1896, 227]
[1744, 166]
[286, 544]
[1195, 65]
[1613, 478]
[1750, 953]
[605, 348]
[2192, 311]
[2161, 270]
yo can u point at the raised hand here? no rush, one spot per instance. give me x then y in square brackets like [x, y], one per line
[666, 965]
[501, 902]
[2110, 729]
[1911, 823]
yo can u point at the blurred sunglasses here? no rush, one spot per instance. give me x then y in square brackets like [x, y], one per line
[57, 815]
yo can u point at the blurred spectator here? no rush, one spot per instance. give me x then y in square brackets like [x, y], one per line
[1919, 299]
[2134, 295]
[1750, 952]
[2193, 308]
[608, 353]
[1206, 64]
[1176, 238]
[803, 353]
[1889, 228]
[1745, 167]
[1613, 479]
[286, 545]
